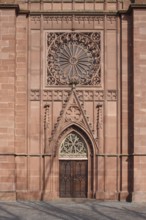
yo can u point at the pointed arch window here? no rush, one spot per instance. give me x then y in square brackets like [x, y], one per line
[73, 147]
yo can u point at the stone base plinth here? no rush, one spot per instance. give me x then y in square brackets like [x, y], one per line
[117, 196]
[106, 196]
[35, 195]
[139, 196]
[7, 196]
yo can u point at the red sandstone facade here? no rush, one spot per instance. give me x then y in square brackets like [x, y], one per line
[72, 99]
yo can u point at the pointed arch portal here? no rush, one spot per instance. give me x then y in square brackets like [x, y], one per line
[73, 167]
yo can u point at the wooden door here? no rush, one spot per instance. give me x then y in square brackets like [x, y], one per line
[73, 178]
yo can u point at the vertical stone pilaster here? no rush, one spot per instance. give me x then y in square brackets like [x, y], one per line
[139, 63]
[7, 103]
[21, 103]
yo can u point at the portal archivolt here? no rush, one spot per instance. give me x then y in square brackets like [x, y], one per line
[73, 167]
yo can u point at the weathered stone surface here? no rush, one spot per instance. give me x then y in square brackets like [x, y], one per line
[72, 68]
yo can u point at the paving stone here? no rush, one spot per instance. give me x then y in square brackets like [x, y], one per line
[72, 210]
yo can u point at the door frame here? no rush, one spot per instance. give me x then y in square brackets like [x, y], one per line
[90, 158]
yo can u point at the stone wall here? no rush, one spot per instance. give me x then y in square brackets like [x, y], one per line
[139, 69]
[7, 102]
[32, 114]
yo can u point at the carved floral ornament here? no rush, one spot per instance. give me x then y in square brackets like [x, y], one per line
[73, 146]
[73, 58]
[73, 113]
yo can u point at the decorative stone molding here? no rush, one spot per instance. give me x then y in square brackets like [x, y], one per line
[46, 116]
[84, 18]
[99, 19]
[35, 19]
[99, 95]
[47, 95]
[46, 124]
[111, 19]
[99, 108]
[73, 18]
[83, 95]
[35, 95]
[57, 18]
[90, 95]
[55, 95]
[99, 123]
[112, 95]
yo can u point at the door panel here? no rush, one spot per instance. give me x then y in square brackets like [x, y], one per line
[73, 178]
[80, 178]
[65, 179]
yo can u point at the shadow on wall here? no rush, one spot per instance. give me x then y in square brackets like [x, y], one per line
[130, 102]
[130, 111]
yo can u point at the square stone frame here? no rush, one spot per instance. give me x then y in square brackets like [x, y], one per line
[98, 87]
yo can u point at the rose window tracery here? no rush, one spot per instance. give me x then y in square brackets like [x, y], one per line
[73, 146]
[73, 58]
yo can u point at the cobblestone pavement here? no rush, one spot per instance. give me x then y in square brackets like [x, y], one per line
[72, 210]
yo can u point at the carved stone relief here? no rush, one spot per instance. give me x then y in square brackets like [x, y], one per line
[73, 58]
[62, 95]
[111, 19]
[99, 95]
[46, 123]
[73, 146]
[111, 22]
[46, 116]
[69, 21]
[112, 95]
[90, 95]
[73, 18]
[57, 95]
[73, 113]
[99, 19]
[57, 18]
[35, 19]
[99, 123]
[35, 95]
[47, 95]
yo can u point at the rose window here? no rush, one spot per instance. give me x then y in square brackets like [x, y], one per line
[74, 61]
[73, 58]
